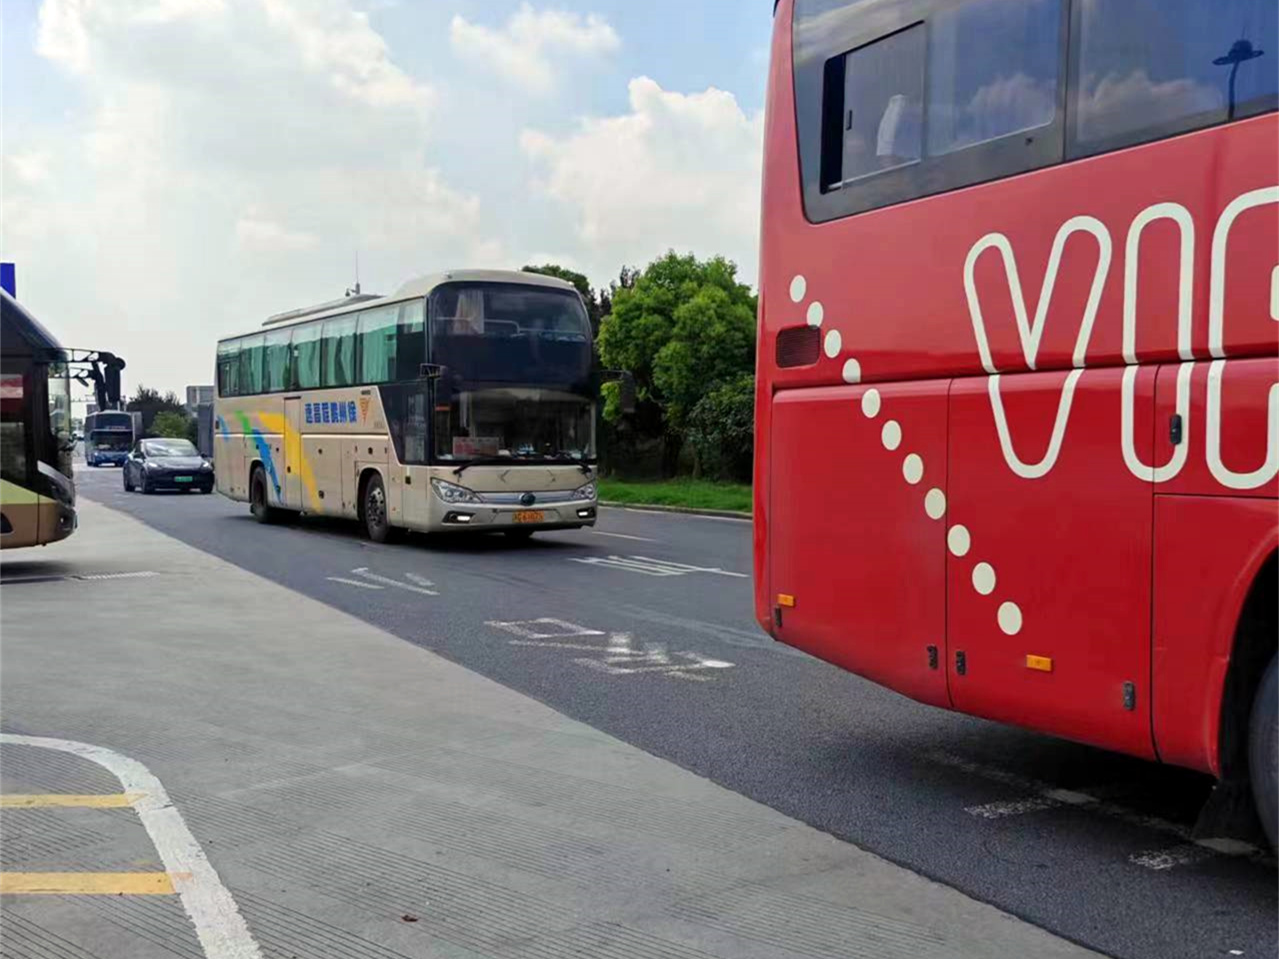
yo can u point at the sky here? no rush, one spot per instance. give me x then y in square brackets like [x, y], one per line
[175, 171]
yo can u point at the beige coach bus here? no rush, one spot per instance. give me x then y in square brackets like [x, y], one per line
[465, 401]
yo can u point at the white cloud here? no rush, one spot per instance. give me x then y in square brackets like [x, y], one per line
[678, 171]
[527, 49]
[230, 158]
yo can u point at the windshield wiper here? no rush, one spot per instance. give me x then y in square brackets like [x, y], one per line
[484, 461]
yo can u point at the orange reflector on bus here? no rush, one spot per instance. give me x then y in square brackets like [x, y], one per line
[1042, 663]
[785, 599]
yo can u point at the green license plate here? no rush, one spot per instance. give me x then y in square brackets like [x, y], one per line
[183, 479]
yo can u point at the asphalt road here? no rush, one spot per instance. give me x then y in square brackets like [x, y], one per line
[641, 629]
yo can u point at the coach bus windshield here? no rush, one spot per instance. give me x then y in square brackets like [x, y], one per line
[516, 378]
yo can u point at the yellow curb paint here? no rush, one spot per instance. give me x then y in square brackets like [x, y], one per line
[86, 883]
[99, 801]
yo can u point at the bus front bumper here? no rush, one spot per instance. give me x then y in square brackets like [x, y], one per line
[488, 518]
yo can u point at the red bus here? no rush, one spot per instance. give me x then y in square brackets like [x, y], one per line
[1017, 423]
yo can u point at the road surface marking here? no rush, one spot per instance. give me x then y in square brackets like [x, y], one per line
[1161, 859]
[387, 581]
[218, 923]
[419, 580]
[86, 883]
[614, 656]
[603, 532]
[1015, 807]
[653, 567]
[100, 801]
[354, 582]
[544, 628]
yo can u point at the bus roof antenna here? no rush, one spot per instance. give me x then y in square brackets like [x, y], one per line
[355, 290]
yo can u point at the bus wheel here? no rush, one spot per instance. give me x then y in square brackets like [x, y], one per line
[1263, 751]
[377, 521]
[259, 505]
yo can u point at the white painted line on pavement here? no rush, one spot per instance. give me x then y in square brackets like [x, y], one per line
[1161, 859]
[1013, 807]
[604, 532]
[544, 628]
[387, 581]
[353, 582]
[419, 580]
[653, 567]
[218, 924]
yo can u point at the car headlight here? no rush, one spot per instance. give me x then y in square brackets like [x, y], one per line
[585, 492]
[206, 465]
[452, 493]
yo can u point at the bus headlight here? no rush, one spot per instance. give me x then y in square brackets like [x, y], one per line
[585, 492]
[452, 493]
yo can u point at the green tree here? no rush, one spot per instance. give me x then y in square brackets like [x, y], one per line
[721, 430]
[682, 327]
[170, 424]
[151, 403]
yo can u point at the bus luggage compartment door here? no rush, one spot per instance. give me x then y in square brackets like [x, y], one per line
[857, 536]
[293, 452]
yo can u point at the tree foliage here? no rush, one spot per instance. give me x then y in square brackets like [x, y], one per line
[682, 327]
[150, 403]
[721, 430]
[170, 424]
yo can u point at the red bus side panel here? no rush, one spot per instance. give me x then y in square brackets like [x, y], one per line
[850, 537]
[1207, 552]
[1049, 562]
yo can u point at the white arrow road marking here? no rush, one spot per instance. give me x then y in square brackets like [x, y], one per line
[387, 581]
[544, 628]
[653, 567]
[353, 582]
[218, 923]
[420, 580]
[617, 657]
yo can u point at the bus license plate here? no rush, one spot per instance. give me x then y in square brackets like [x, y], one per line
[530, 516]
[183, 479]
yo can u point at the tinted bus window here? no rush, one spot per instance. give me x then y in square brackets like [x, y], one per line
[378, 340]
[251, 349]
[278, 351]
[306, 356]
[411, 348]
[228, 368]
[883, 104]
[992, 71]
[1152, 68]
[339, 351]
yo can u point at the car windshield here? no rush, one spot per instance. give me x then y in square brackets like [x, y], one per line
[169, 448]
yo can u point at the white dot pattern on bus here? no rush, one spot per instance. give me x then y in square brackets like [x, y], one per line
[891, 435]
[913, 468]
[958, 539]
[833, 343]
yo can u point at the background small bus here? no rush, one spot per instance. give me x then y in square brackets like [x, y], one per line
[466, 401]
[109, 435]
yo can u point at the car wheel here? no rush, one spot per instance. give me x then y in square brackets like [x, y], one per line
[145, 486]
[377, 518]
[259, 505]
[1263, 751]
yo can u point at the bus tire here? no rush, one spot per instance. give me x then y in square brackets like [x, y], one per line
[374, 511]
[259, 503]
[1263, 751]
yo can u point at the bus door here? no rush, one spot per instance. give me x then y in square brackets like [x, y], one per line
[857, 549]
[293, 452]
[1049, 526]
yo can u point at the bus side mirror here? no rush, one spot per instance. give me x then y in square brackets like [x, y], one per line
[432, 371]
[625, 389]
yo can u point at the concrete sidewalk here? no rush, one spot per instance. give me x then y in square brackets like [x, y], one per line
[361, 797]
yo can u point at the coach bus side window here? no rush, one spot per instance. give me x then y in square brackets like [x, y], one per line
[339, 351]
[411, 348]
[277, 361]
[228, 368]
[883, 97]
[306, 356]
[992, 71]
[1153, 68]
[251, 349]
[378, 338]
